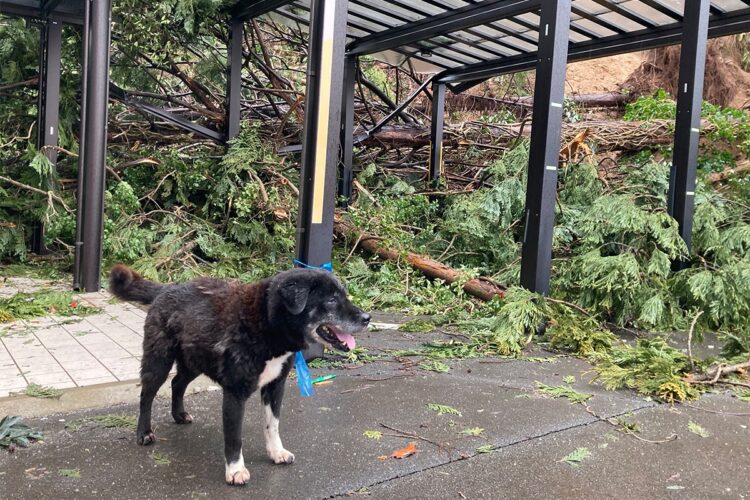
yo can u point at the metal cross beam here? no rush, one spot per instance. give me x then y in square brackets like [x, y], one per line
[541, 187]
[451, 21]
[249, 9]
[121, 95]
[687, 123]
[728, 24]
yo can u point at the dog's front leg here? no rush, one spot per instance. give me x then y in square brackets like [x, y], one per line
[233, 411]
[272, 394]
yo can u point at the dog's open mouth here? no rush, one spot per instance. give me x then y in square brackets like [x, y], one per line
[338, 339]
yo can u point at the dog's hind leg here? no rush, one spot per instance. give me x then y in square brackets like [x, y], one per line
[179, 384]
[233, 411]
[272, 394]
[155, 365]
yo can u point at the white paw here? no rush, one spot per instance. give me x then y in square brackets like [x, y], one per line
[238, 478]
[236, 473]
[281, 456]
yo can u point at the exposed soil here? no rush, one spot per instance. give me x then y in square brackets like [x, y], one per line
[601, 75]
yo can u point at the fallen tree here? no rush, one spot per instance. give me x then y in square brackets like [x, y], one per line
[473, 102]
[605, 135]
[482, 288]
[723, 176]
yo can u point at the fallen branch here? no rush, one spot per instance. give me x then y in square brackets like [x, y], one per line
[49, 194]
[714, 375]
[725, 175]
[472, 102]
[482, 288]
[411, 435]
[602, 135]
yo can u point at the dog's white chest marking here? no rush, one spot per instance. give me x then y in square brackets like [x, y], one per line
[272, 370]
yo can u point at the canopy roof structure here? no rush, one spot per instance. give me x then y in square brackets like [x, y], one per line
[466, 41]
[458, 42]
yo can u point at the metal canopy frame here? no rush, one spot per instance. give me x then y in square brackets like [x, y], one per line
[463, 42]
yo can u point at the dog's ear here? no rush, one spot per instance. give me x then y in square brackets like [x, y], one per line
[294, 295]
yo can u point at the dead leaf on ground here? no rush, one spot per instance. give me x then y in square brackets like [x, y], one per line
[409, 450]
[383, 457]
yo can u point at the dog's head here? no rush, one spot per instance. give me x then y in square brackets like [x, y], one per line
[314, 304]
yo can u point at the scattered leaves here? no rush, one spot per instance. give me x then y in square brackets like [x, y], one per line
[569, 379]
[106, 421]
[69, 472]
[434, 366]
[628, 427]
[376, 435]
[42, 303]
[160, 458]
[417, 326]
[443, 409]
[473, 431]
[41, 391]
[576, 457]
[698, 429]
[487, 448]
[561, 391]
[406, 451]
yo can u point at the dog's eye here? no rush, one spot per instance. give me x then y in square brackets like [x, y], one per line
[332, 300]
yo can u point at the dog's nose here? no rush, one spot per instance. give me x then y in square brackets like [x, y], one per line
[365, 318]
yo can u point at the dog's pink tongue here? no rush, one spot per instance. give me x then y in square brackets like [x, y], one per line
[347, 339]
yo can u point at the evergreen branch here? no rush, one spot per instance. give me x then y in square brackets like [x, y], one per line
[48, 194]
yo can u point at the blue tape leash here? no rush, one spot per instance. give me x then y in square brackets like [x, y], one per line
[300, 365]
[303, 376]
[325, 267]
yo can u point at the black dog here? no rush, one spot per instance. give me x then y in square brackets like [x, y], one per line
[242, 336]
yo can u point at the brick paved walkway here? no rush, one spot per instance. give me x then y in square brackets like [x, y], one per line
[65, 352]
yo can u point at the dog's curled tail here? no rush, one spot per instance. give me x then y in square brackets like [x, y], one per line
[126, 284]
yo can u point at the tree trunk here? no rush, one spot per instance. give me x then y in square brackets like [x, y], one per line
[482, 288]
[603, 135]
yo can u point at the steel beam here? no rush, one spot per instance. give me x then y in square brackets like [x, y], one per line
[80, 193]
[451, 21]
[95, 144]
[48, 106]
[122, 95]
[30, 10]
[651, 38]
[541, 188]
[346, 175]
[248, 9]
[436, 133]
[234, 78]
[687, 124]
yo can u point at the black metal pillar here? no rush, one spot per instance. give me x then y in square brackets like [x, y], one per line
[48, 106]
[436, 132]
[545, 145]
[234, 78]
[94, 143]
[346, 176]
[320, 144]
[687, 125]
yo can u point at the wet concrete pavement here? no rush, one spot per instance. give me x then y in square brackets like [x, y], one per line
[528, 432]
